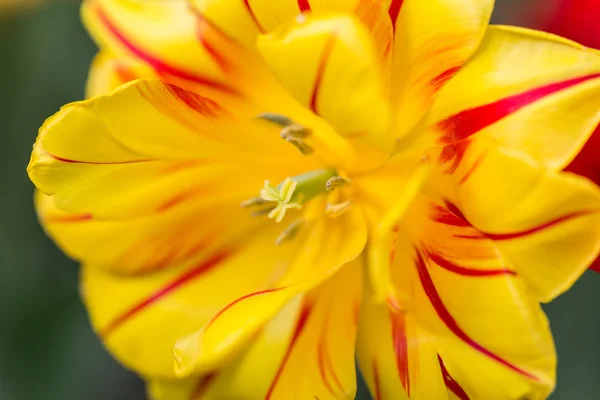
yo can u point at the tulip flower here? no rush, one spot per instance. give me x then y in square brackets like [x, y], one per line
[261, 191]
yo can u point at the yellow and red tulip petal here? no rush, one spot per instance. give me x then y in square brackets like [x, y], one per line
[245, 20]
[528, 90]
[327, 244]
[108, 72]
[329, 64]
[546, 223]
[140, 317]
[307, 349]
[469, 304]
[432, 40]
[397, 356]
[169, 38]
[385, 195]
[144, 165]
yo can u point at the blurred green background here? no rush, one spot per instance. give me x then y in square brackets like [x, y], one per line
[47, 348]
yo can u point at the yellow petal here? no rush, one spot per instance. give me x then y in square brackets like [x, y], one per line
[174, 389]
[433, 39]
[475, 308]
[327, 244]
[330, 65]
[547, 224]
[306, 349]
[137, 173]
[386, 194]
[397, 356]
[528, 90]
[109, 72]
[245, 20]
[163, 35]
[141, 317]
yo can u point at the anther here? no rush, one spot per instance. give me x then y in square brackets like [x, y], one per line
[278, 119]
[282, 196]
[335, 210]
[289, 232]
[295, 134]
[301, 145]
[336, 182]
[291, 132]
[295, 131]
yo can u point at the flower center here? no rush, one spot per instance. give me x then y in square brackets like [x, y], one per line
[294, 193]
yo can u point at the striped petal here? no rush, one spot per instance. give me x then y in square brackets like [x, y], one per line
[245, 20]
[172, 41]
[306, 349]
[433, 39]
[460, 314]
[327, 244]
[329, 64]
[140, 318]
[132, 175]
[397, 356]
[527, 90]
[546, 223]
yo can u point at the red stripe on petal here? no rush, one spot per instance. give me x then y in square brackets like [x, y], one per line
[300, 325]
[376, 382]
[200, 104]
[203, 385]
[453, 154]
[550, 224]
[457, 269]
[321, 70]
[439, 81]
[321, 363]
[166, 290]
[262, 292]
[394, 11]
[249, 8]
[157, 64]
[303, 5]
[206, 31]
[400, 342]
[450, 322]
[472, 169]
[451, 384]
[468, 122]
[447, 217]
[70, 161]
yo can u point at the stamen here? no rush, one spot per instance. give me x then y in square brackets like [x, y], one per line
[289, 232]
[335, 210]
[336, 182]
[295, 134]
[292, 193]
[282, 196]
[255, 201]
[264, 211]
[295, 131]
[291, 132]
[301, 145]
[276, 119]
